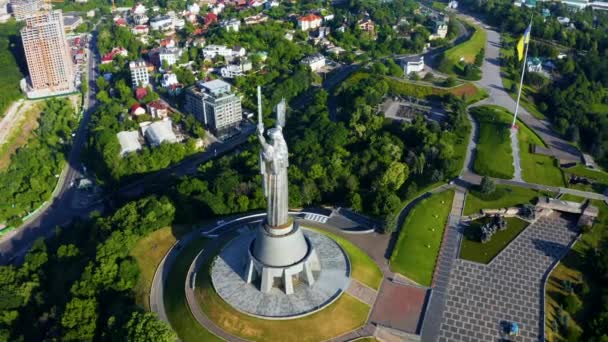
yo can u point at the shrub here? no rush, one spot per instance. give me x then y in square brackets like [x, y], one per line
[572, 304]
[487, 185]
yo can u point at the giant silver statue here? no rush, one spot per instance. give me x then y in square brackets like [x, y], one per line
[273, 165]
[280, 252]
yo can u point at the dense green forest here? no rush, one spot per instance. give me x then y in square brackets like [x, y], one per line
[34, 168]
[12, 64]
[575, 102]
[78, 284]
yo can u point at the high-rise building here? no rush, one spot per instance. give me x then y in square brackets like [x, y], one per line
[139, 74]
[22, 9]
[214, 104]
[47, 54]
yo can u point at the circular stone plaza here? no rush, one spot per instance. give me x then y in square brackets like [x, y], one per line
[331, 277]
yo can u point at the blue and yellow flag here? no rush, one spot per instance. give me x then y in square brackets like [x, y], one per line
[525, 39]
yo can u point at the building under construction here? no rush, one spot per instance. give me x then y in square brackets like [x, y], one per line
[48, 56]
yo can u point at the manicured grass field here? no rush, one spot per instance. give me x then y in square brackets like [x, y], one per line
[494, 156]
[364, 269]
[182, 321]
[465, 51]
[420, 237]
[472, 248]
[599, 177]
[504, 196]
[345, 314]
[536, 168]
[575, 269]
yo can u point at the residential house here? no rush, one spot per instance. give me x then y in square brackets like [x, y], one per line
[231, 25]
[309, 22]
[129, 142]
[412, 65]
[158, 109]
[315, 62]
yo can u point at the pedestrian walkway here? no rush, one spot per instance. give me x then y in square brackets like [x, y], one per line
[480, 298]
[447, 256]
[363, 293]
[315, 217]
[516, 160]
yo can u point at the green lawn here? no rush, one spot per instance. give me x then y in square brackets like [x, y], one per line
[504, 196]
[182, 321]
[536, 168]
[364, 269]
[465, 51]
[420, 237]
[494, 156]
[344, 315]
[572, 198]
[472, 248]
[599, 177]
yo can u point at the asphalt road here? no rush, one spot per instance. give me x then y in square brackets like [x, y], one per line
[491, 81]
[58, 211]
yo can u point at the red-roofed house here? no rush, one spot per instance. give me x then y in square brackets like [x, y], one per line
[137, 110]
[167, 42]
[109, 57]
[140, 29]
[309, 22]
[140, 93]
[120, 21]
[210, 18]
[158, 109]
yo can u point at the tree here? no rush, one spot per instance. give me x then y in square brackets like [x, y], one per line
[80, 319]
[487, 185]
[144, 327]
[395, 175]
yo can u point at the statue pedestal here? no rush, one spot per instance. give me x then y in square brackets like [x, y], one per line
[280, 255]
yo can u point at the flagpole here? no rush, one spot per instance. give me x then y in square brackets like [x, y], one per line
[523, 71]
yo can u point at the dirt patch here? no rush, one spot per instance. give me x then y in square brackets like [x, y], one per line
[399, 306]
[466, 89]
[20, 134]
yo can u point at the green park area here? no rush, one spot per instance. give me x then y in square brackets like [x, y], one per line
[535, 168]
[420, 238]
[503, 197]
[10, 54]
[574, 288]
[474, 250]
[457, 57]
[346, 314]
[363, 268]
[598, 177]
[494, 156]
[404, 87]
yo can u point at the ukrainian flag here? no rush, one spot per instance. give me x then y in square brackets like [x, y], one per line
[525, 39]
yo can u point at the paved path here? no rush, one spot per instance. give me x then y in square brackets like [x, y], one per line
[362, 292]
[480, 298]
[491, 81]
[515, 152]
[447, 257]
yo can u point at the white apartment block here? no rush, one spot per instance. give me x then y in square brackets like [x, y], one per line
[171, 55]
[47, 54]
[413, 65]
[161, 23]
[231, 25]
[214, 104]
[22, 9]
[212, 51]
[139, 74]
